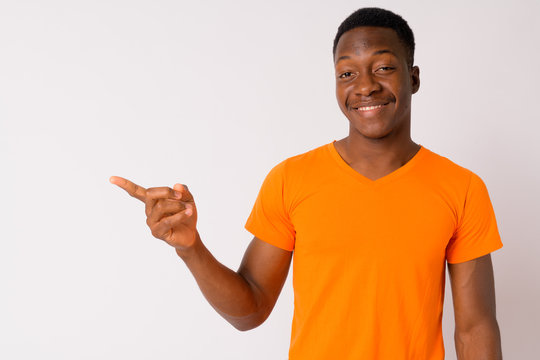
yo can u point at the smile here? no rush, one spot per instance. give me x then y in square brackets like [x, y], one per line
[367, 108]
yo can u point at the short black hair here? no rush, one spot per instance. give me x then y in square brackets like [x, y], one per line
[372, 16]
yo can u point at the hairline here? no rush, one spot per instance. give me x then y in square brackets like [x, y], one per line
[409, 58]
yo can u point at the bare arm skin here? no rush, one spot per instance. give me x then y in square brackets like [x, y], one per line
[245, 298]
[477, 334]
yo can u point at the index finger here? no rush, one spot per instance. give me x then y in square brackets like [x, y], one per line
[132, 189]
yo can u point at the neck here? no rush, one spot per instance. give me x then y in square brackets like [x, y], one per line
[394, 149]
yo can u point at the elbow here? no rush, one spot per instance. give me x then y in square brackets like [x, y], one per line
[260, 311]
[245, 327]
[249, 322]
[482, 341]
[487, 323]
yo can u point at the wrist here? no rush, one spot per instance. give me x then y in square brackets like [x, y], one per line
[187, 252]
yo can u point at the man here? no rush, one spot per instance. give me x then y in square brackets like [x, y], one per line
[370, 220]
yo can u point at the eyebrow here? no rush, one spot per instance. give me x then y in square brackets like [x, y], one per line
[378, 52]
[384, 51]
[343, 58]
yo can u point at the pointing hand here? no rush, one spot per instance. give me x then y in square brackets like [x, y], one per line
[170, 213]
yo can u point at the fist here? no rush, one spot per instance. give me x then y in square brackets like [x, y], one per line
[171, 214]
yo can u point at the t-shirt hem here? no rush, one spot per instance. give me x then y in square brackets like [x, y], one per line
[270, 240]
[462, 259]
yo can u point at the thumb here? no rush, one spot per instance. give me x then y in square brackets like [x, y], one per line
[183, 189]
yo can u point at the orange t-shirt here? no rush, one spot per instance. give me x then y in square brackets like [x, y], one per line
[369, 256]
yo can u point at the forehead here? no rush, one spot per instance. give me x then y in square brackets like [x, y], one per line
[368, 39]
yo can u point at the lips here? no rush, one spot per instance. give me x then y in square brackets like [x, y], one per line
[369, 107]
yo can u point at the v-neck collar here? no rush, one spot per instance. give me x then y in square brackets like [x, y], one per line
[382, 180]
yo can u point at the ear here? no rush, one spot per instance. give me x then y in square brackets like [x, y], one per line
[415, 79]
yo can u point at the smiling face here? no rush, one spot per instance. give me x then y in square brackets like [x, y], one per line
[374, 83]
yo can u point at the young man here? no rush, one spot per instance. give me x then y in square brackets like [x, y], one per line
[370, 220]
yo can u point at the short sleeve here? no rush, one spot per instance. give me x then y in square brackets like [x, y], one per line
[476, 233]
[269, 219]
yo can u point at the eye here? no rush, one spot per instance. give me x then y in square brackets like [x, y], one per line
[346, 74]
[385, 69]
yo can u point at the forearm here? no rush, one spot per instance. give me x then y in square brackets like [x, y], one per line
[481, 342]
[229, 293]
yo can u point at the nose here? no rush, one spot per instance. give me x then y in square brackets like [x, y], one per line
[365, 84]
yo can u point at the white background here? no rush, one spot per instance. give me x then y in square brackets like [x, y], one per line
[213, 94]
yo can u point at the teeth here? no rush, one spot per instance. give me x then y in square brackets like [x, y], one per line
[366, 108]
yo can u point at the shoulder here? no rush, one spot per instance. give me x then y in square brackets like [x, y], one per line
[299, 175]
[303, 162]
[445, 171]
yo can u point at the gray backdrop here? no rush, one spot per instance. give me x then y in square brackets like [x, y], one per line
[213, 94]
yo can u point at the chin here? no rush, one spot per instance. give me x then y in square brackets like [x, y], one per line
[376, 136]
[374, 132]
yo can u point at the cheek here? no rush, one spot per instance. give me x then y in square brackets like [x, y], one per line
[404, 94]
[341, 94]
[342, 90]
[403, 87]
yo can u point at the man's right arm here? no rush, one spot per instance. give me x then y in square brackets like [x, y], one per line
[244, 298]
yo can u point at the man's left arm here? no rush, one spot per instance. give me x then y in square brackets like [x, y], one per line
[477, 335]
